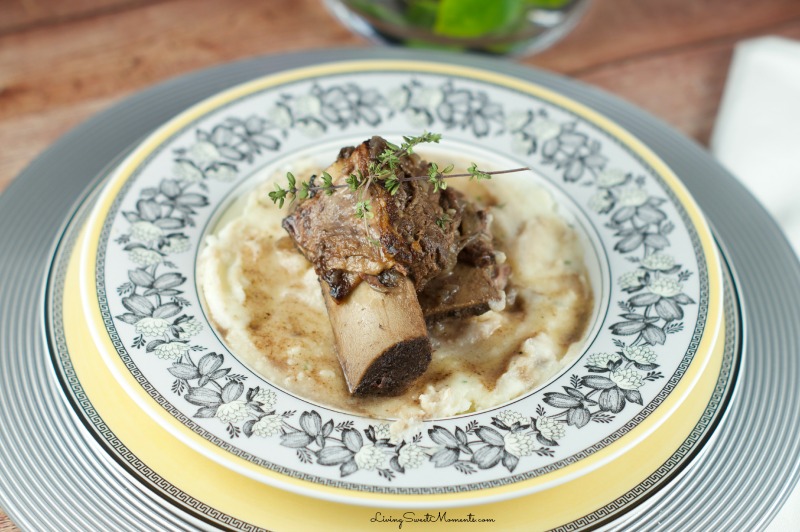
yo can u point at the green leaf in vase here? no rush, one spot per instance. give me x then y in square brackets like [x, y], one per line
[476, 18]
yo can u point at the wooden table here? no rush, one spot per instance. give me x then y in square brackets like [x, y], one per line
[61, 62]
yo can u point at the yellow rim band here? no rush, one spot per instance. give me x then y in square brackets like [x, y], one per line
[275, 509]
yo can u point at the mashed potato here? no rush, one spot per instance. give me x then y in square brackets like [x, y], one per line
[265, 301]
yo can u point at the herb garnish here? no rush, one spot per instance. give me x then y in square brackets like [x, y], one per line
[383, 171]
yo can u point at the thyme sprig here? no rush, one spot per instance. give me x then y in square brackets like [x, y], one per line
[382, 171]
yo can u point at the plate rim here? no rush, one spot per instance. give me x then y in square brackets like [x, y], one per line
[683, 198]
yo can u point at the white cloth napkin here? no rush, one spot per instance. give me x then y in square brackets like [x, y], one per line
[757, 134]
[757, 137]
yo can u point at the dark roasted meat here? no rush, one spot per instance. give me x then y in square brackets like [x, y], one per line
[476, 279]
[343, 248]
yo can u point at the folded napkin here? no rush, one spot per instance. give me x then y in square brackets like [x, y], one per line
[757, 133]
[757, 137]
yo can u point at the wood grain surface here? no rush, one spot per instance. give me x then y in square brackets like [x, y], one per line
[61, 62]
[5, 523]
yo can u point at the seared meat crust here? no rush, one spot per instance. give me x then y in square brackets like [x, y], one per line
[343, 248]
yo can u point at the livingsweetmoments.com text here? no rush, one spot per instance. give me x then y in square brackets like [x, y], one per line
[439, 517]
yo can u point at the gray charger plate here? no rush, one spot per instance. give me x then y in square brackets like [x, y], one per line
[55, 475]
[612, 515]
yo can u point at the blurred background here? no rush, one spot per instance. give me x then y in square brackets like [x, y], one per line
[724, 72]
[63, 61]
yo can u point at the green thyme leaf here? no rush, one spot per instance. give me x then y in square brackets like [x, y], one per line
[410, 142]
[278, 195]
[305, 190]
[389, 159]
[327, 183]
[363, 210]
[392, 184]
[352, 182]
[435, 178]
[477, 174]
